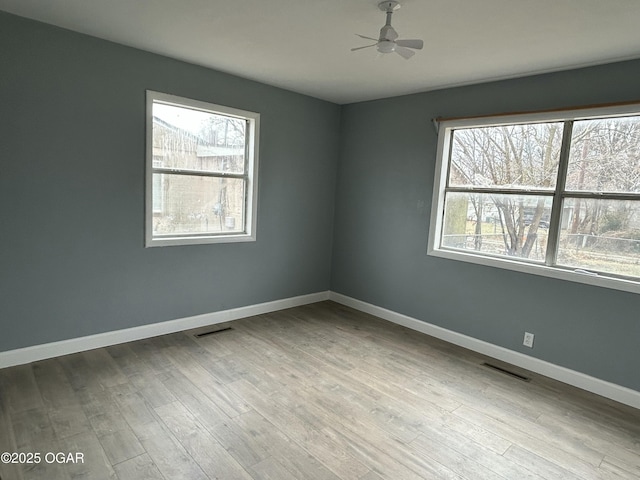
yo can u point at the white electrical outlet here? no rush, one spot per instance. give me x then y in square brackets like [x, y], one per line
[528, 339]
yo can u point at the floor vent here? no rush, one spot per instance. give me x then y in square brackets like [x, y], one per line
[211, 332]
[507, 372]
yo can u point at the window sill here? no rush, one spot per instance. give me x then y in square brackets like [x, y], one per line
[198, 240]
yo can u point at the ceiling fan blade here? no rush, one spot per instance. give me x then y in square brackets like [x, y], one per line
[416, 44]
[360, 48]
[366, 38]
[404, 52]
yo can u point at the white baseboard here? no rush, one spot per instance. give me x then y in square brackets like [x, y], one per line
[595, 385]
[49, 350]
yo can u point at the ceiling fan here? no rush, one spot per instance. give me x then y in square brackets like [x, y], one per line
[388, 41]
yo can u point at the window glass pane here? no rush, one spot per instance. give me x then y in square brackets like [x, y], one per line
[509, 156]
[605, 155]
[158, 194]
[510, 225]
[194, 205]
[601, 235]
[185, 138]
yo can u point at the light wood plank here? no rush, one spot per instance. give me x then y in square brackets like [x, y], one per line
[138, 468]
[20, 391]
[7, 438]
[69, 421]
[284, 449]
[167, 453]
[54, 386]
[94, 464]
[121, 445]
[34, 434]
[271, 469]
[625, 469]
[210, 455]
[532, 462]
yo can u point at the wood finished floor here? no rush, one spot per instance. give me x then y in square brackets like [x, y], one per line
[315, 392]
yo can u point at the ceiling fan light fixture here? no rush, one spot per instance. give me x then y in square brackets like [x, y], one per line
[386, 46]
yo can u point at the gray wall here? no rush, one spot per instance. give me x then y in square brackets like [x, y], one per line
[72, 261]
[72, 145]
[383, 204]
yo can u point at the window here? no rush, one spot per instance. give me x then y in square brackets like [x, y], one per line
[555, 194]
[202, 164]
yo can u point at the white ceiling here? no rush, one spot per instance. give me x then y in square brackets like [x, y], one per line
[304, 45]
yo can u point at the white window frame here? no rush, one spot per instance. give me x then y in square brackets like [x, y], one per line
[445, 132]
[250, 176]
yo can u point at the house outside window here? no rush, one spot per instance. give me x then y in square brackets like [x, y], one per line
[202, 164]
[554, 193]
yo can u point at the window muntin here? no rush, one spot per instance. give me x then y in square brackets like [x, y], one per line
[201, 172]
[557, 194]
